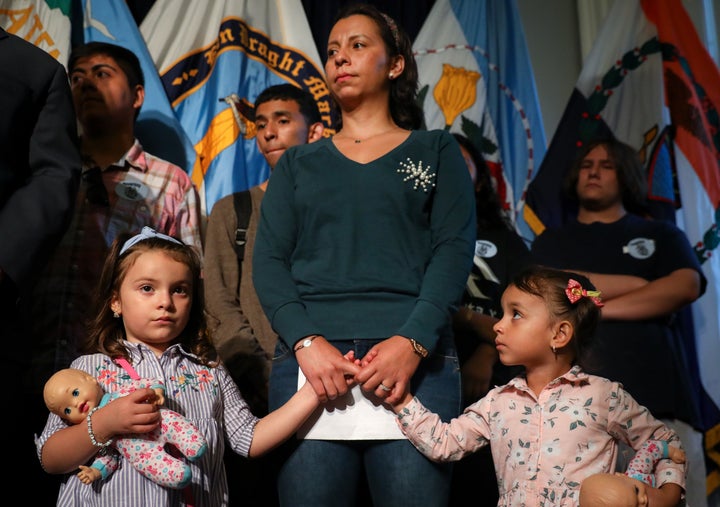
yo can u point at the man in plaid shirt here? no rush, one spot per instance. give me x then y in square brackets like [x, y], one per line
[123, 188]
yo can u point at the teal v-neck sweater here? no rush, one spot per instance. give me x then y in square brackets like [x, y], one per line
[366, 251]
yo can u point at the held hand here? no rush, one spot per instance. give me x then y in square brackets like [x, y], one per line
[326, 369]
[135, 413]
[350, 356]
[676, 454]
[372, 354]
[397, 407]
[160, 396]
[388, 368]
[349, 379]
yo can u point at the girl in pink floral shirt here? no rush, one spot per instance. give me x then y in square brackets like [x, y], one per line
[555, 425]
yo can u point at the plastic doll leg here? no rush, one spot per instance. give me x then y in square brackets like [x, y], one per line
[178, 431]
[107, 463]
[148, 456]
[648, 479]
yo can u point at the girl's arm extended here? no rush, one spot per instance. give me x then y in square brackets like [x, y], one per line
[280, 424]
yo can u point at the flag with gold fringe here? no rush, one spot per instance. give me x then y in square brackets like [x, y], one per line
[476, 79]
[45, 23]
[227, 53]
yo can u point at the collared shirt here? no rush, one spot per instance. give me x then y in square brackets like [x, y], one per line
[544, 446]
[206, 396]
[141, 190]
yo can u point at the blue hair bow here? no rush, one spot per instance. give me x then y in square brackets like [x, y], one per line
[146, 233]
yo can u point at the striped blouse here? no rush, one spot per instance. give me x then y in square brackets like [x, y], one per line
[206, 396]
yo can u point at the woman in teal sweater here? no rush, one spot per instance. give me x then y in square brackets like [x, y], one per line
[365, 242]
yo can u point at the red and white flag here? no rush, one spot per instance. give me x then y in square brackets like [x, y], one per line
[651, 83]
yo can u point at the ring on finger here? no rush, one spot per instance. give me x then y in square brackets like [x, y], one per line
[385, 388]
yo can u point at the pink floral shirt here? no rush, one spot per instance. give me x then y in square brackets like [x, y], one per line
[543, 447]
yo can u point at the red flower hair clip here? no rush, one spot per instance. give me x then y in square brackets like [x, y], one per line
[575, 291]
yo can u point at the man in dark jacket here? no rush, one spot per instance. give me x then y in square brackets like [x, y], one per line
[39, 177]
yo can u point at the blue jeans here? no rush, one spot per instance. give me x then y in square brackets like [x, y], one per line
[326, 473]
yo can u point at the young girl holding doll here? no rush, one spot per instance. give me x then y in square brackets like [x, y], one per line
[554, 425]
[150, 323]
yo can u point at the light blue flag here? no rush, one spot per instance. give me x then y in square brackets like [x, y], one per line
[228, 53]
[157, 127]
[476, 78]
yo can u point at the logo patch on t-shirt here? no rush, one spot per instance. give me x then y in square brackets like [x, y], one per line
[485, 249]
[131, 190]
[640, 248]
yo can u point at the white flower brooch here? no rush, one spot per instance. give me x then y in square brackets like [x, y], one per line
[421, 177]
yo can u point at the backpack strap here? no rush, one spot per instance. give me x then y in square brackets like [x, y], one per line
[243, 210]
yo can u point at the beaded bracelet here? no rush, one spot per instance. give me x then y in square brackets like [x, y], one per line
[92, 435]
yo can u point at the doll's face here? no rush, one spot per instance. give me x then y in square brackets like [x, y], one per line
[616, 490]
[71, 394]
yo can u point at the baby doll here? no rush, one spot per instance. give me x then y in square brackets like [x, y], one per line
[74, 395]
[629, 489]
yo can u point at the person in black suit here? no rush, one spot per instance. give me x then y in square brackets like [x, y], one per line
[39, 177]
